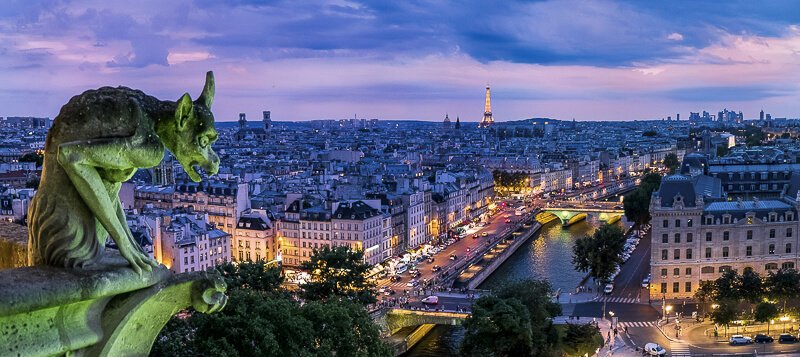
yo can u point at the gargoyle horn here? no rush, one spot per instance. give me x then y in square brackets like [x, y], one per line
[208, 91]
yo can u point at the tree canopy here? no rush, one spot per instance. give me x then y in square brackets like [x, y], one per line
[338, 272]
[637, 203]
[263, 319]
[671, 162]
[599, 254]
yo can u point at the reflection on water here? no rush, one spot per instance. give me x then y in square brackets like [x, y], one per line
[547, 255]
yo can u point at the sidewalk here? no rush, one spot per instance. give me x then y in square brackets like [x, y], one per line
[615, 345]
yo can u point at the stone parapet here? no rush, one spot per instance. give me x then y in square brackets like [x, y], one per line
[13, 245]
[107, 310]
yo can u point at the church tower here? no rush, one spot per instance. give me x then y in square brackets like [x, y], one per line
[267, 120]
[447, 122]
[487, 111]
[242, 121]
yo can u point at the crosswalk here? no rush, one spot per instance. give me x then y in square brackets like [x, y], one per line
[679, 349]
[636, 324]
[618, 299]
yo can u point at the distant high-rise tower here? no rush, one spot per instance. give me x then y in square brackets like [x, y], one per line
[242, 120]
[487, 112]
[761, 115]
[267, 120]
[458, 123]
[447, 121]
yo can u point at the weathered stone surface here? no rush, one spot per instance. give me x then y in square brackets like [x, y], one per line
[108, 310]
[98, 140]
[13, 245]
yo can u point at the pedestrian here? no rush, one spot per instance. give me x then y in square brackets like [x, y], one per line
[626, 330]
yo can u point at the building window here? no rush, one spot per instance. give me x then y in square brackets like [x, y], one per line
[707, 270]
[724, 252]
[749, 251]
[688, 254]
[677, 223]
[708, 252]
[787, 265]
[677, 237]
[708, 236]
[709, 220]
[665, 238]
[663, 288]
[664, 272]
[676, 287]
[688, 271]
[771, 266]
[726, 235]
[772, 249]
[664, 254]
[676, 254]
[788, 232]
[688, 286]
[772, 233]
[749, 234]
[724, 268]
[689, 223]
[666, 223]
[689, 237]
[676, 271]
[788, 248]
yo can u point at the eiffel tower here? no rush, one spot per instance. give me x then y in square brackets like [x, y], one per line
[487, 112]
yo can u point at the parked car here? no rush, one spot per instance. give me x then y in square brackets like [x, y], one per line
[787, 338]
[761, 338]
[430, 260]
[654, 349]
[431, 300]
[646, 282]
[740, 340]
[609, 288]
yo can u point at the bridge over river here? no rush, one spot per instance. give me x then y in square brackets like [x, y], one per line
[571, 212]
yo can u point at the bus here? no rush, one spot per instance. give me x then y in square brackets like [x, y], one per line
[519, 211]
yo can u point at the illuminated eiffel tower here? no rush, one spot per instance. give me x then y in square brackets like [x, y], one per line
[487, 112]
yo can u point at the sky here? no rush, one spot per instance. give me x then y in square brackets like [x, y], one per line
[304, 60]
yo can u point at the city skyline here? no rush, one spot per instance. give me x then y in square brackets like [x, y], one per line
[605, 60]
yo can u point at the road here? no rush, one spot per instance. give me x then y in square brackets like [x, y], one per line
[459, 248]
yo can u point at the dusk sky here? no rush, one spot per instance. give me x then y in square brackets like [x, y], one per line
[303, 60]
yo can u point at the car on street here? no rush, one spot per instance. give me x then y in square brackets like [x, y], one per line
[654, 349]
[430, 260]
[388, 292]
[609, 288]
[431, 300]
[646, 282]
[436, 268]
[787, 338]
[474, 236]
[740, 340]
[412, 283]
[508, 220]
[453, 257]
[484, 234]
[761, 338]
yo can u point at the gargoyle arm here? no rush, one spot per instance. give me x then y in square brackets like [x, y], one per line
[80, 160]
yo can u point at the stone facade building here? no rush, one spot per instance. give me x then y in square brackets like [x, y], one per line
[698, 234]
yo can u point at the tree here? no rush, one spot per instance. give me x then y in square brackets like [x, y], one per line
[497, 327]
[261, 319]
[724, 314]
[722, 150]
[750, 286]
[706, 292]
[637, 203]
[783, 285]
[338, 272]
[581, 339]
[536, 296]
[32, 157]
[671, 162]
[251, 275]
[599, 254]
[726, 287]
[765, 312]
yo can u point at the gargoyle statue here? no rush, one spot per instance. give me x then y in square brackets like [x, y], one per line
[98, 140]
